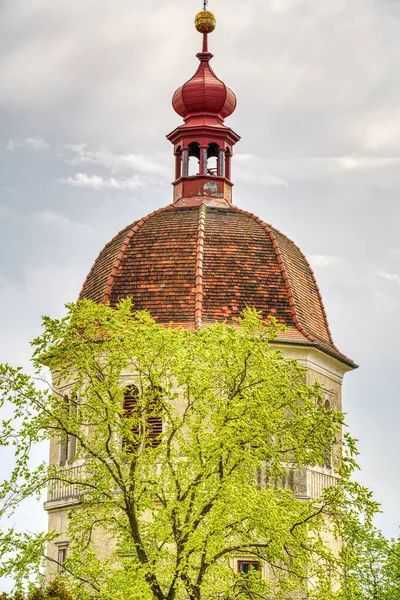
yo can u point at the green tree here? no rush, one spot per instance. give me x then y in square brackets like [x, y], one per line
[373, 565]
[179, 505]
[56, 590]
[392, 570]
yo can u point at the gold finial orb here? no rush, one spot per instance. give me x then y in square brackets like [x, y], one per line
[205, 21]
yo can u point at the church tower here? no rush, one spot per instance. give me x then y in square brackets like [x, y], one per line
[201, 259]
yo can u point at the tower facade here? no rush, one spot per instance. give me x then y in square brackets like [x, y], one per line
[201, 259]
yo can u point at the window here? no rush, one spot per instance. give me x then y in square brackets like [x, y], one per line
[68, 442]
[61, 556]
[149, 419]
[326, 403]
[154, 420]
[131, 396]
[245, 566]
[328, 450]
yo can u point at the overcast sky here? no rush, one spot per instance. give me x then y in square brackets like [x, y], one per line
[85, 101]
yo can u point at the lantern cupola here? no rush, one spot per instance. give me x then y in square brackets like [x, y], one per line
[203, 144]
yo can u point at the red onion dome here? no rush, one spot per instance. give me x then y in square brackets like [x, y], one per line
[204, 94]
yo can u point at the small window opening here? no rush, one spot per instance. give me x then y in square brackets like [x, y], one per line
[61, 556]
[245, 566]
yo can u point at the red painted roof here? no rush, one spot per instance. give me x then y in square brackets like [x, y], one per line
[204, 95]
[196, 265]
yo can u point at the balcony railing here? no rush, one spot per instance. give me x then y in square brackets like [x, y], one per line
[306, 483]
[318, 481]
[67, 487]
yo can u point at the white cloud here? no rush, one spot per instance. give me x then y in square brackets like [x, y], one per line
[95, 182]
[62, 223]
[322, 260]
[254, 170]
[115, 162]
[394, 277]
[357, 169]
[349, 163]
[381, 131]
[48, 217]
[138, 170]
[29, 143]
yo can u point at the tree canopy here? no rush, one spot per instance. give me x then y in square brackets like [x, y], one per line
[56, 590]
[177, 504]
[373, 565]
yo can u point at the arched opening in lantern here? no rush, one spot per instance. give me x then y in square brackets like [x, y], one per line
[212, 159]
[194, 159]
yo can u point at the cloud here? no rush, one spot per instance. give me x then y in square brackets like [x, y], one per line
[394, 277]
[95, 182]
[254, 170]
[63, 224]
[350, 163]
[322, 260]
[115, 162]
[29, 143]
[121, 171]
[356, 169]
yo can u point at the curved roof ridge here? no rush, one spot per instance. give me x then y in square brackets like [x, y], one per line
[282, 267]
[132, 230]
[220, 80]
[198, 305]
[81, 294]
[315, 283]
[270, 230]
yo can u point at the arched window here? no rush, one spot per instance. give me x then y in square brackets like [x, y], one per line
[154, 415]
[212, 159]
[68, 441]
[148, 421]
[194, 159]
[328, 450]
[131, 409]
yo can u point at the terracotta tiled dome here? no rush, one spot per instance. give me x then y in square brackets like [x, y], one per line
[195, 265]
